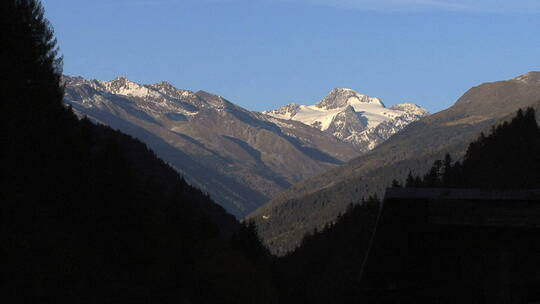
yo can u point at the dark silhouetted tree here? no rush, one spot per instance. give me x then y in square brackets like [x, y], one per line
[92, 215]
[446, 176]
[509, 157]
[409, 182]
[247, 240]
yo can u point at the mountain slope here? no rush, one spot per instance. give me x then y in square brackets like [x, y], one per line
[91, 215]
[488, 165]
[241, 158]
[318, 200]
[353, 117]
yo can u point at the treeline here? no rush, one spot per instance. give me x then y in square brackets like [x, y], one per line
[508, 158]
[91, 215]
[327, 266]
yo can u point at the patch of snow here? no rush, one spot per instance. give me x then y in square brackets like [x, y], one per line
[370, 110]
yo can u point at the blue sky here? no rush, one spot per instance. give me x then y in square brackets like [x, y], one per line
[262, 54]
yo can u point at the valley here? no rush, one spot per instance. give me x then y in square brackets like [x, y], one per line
[240, 157]
[126, 191]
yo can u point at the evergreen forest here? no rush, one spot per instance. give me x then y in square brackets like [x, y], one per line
[91, 215]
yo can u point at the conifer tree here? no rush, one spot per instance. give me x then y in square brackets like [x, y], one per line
[446, 179]
[410, 180]
[31, 66]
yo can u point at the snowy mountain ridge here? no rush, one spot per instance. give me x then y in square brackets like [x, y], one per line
[353, 117]
[156, 99]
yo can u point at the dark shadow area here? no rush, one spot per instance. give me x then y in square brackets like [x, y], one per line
[256, 154]
[186, 106]
[91, 215]
[176, 116]
[362, 118]
[464, 232]
[313, 153]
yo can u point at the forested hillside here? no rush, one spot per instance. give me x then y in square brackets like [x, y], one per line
[90, 215]
[509, 158]
[328, 264]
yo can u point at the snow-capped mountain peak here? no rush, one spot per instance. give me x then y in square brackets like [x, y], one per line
[342, 97]
[124, 86]
[157, 100]
[353, 117]
[344, 113]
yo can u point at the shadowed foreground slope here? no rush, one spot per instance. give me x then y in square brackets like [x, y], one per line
[90, 215]
[449, 244]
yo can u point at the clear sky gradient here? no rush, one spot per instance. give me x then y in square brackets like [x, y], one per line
[262, 54]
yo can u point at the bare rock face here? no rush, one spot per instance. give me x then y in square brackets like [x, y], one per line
[241, 158]
[347, 123]
[342, 97]
[529, 78]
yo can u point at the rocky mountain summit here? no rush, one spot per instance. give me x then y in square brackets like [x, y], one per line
[353, 117]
